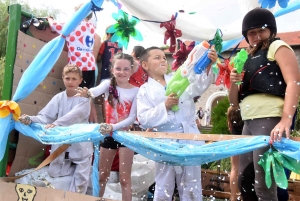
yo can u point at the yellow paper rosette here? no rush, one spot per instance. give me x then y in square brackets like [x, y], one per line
[7, 107]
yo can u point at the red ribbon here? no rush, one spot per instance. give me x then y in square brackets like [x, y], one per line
[181, 55]
[224, 73]
[171, 33]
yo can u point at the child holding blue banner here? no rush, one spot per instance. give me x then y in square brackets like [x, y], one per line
[268, 95]
[154, 111]
[120, 106]
[64, 110]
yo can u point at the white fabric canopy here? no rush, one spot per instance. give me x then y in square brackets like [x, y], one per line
[208, 17]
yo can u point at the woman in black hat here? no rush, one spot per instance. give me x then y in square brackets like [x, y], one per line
[268, 94]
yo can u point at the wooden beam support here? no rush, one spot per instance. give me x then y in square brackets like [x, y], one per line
[189, 136]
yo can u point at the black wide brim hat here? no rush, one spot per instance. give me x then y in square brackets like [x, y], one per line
[258, 17]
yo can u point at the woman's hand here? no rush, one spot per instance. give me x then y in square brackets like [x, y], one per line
[25, 119]
[281, 128]
[235, 76]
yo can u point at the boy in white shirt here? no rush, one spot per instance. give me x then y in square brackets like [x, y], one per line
[64, 109]
[154, 111]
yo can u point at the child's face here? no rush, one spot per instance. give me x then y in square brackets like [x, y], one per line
[156, 64]
[122, 70]
[256, 35]
[72, 80]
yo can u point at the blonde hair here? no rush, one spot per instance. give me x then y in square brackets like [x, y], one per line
[71, 68]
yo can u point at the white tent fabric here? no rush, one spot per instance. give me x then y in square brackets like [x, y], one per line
[225, 15]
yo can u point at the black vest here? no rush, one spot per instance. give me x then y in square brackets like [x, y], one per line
[262, 76]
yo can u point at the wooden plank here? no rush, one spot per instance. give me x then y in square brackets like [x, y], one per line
[216, 194]
[189, 136]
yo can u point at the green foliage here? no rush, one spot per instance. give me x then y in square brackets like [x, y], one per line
[164, 47]
[296, 132]
[225, 165]
[219, 117]
[43, 12]
[2, 64]
[219, 122]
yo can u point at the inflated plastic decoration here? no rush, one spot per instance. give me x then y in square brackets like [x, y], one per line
[274, 161]
[182, 54]
[272, 3]
[186, 73]
[124, 28]
[171, 33]
[290, 8]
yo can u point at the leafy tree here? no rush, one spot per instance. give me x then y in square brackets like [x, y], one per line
[2, 62]
[219, 122]
[219, 117]
[42, 12]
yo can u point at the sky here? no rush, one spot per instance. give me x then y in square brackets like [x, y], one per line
[219, 12]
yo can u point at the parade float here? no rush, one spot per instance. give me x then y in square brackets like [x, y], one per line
[32, 77]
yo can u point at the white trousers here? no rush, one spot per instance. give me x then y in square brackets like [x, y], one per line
[80, 172]
[187, 178]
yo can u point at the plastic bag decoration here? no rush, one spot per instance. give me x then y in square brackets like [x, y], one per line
[186, 74]
[272, 3]
[217, 41]
[171, 33]
[224, 73]
[274, 161]
[124, 28]
[182, 54]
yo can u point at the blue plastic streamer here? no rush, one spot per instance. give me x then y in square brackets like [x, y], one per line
[95, 172]
[81, 13]
[39, 68]
[6, 126]
[226, 45]
[37, 71]
[290, 8]
[160, 150]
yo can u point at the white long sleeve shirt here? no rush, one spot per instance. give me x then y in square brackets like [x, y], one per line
[123, 114]
[66, 111]
[152, 112]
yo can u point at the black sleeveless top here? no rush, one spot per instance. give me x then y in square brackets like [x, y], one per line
[262, 76]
